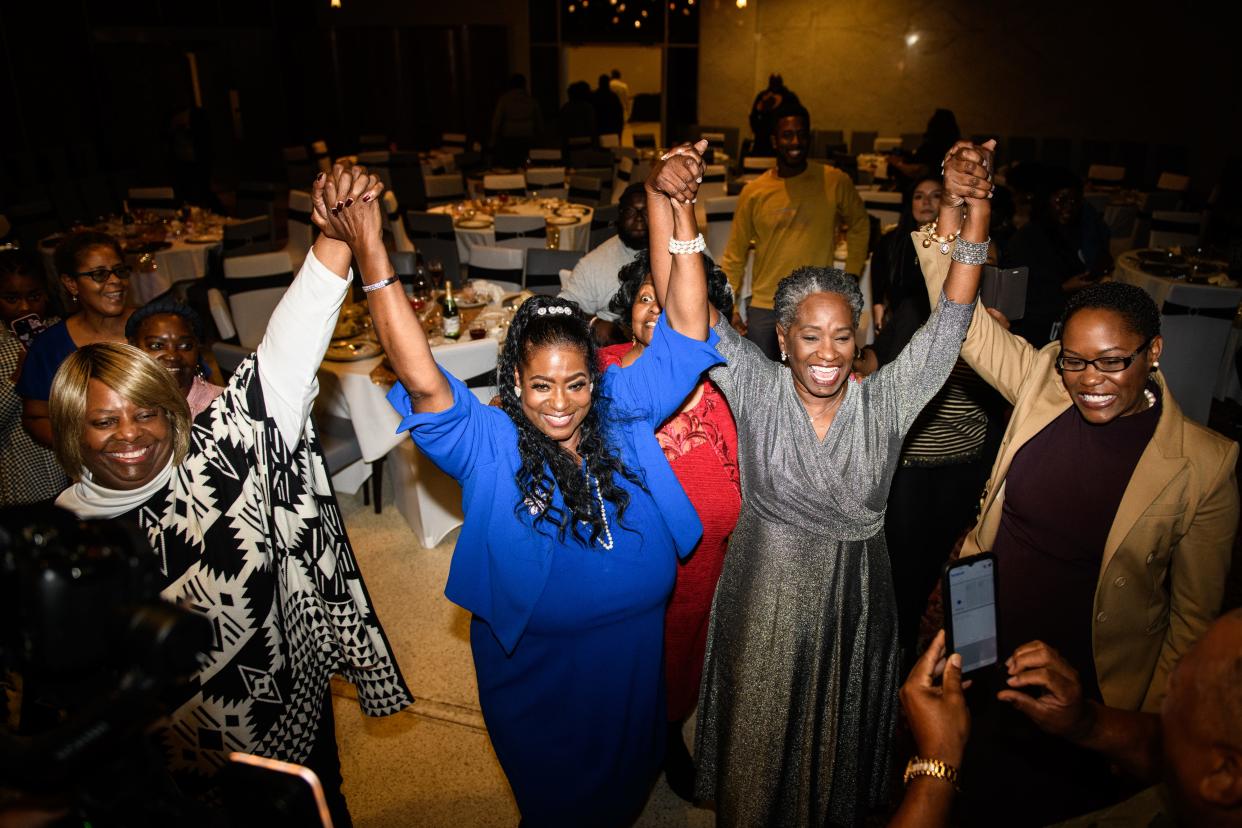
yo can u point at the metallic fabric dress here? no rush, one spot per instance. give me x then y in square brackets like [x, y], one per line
[799, 693]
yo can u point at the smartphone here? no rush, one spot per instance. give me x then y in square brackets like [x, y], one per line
[262, 793]
[970, 610]
[26, 328]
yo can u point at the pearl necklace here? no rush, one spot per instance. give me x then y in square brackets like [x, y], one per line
[603, 513]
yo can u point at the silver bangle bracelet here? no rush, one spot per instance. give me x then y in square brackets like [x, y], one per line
[971, 253]
[695, 245]
[383, 283]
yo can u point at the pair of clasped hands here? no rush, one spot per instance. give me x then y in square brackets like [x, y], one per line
[345, 206]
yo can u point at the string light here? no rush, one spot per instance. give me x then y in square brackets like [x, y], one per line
[741, 4]
[638, 24]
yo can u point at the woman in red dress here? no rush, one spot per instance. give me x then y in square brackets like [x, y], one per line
[700, 442]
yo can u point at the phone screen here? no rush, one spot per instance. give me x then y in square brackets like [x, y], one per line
[26, 328]
[972, 608]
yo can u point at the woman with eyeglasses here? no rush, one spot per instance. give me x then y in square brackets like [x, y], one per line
[95, 278]
[1112, 516]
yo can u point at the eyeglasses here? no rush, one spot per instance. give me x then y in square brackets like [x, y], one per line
[100, 275]
[1108, 364]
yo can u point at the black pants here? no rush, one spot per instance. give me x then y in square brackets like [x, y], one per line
[326, 763]
[761, 330]
[928, 508]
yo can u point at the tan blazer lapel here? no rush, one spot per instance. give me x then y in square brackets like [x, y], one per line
[1158, 465]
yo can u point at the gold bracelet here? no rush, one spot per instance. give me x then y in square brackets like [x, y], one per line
[943, 241]
[918, 766]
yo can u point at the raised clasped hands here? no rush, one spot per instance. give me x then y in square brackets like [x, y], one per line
[346, 206]
[678, 173]
[968, 169]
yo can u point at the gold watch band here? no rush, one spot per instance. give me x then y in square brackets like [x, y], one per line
[918, 766]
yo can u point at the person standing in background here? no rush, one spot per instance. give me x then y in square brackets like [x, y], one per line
[516, 122]
[622, 90]
[766, 102]
[609, 111]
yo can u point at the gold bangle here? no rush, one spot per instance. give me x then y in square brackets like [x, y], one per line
[918, 766]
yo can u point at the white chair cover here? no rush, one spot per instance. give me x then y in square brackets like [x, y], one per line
[886, 144]
[1105, 175]
[542, 178]
[250, 309]
[719, 212]
[511, 184]
[610, 140]
[545, 157]
[394, 224]
[520, 231]
[885, 206]
[758, 162]
[161, 201]
[1172, 182]
[1170, 228]
[379, 164]
[301, 230]
[442, 188]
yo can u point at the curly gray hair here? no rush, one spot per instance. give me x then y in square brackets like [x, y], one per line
[805, 281]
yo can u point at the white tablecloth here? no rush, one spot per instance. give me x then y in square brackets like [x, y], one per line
[1196, 360]
[573, 236]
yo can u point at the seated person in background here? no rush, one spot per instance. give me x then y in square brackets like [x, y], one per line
[1192, 748]
[29, 472]
[172, 334]
[95, 277]
[792, 213]
[577, 116]
[941, 134]
[594, 280]
[1065, 245]
[1113, 519]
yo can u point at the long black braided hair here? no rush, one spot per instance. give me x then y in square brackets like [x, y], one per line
[545, 465]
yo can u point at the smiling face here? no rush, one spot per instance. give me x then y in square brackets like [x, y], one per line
[644, 313]
[107, 299]
[1099, 396]
[168, 339]
[123, 445]
[791, 139]
[925, 202]
[21, 295]
[820, 344]
[556, 391]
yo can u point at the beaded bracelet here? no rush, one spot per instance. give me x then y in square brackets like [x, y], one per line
[919, 766]
[943, 241]
[695, 245]
[971, 253]
[383, 283]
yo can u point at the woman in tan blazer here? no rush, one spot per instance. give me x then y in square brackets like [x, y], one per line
[1113, 530]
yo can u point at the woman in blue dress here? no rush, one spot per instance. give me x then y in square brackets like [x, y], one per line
[573, 521]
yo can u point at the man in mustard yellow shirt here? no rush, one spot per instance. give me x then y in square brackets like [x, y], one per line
[792, 214]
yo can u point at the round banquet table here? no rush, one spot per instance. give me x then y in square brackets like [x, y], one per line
[1196, 321]
[572, 236]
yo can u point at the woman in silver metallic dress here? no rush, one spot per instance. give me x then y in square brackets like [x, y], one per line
[799, 692]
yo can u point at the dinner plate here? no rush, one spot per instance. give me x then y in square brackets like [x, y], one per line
[561, 221]
[475, 224]
[572, 210]
[352, 351]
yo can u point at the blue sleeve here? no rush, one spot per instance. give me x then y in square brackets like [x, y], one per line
[659, 381]
[48, 351]
[458, 439]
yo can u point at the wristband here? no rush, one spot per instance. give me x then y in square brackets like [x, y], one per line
[695, 245]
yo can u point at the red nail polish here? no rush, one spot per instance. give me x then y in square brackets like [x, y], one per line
[348, 201]
[340, 204]
[366, 198]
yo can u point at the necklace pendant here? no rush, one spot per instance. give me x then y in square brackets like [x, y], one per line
[944, 248]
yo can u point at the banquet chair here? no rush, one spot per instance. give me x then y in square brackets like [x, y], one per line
[301, 229]
[622, 177]
[714, 182]
[506, 264]
[341, 450]
[433, 236]
[1173, 183]
[254, 286]
[584, 189]
[405, 170]
[299, 171]
[1104, 176]
[609, 140]
[645, 140]
[453, 141]
[603, 225]
[543, 269]
[546, 157]
[582, 158]
[1170, 228]
[241, 236]
[885, 206]
[257, 198]
[862, 142]
[393, 223]
[541, 179]
[715, 139]
[320, 156]
[372, 141]
[521, 231]
[887, 143]
[443, 189]
[379, 164]
[513, 185]
[719, 212]
[161, 201]
[826, 142]
[758, 163]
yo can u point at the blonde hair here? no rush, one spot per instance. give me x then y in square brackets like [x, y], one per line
[127, 371]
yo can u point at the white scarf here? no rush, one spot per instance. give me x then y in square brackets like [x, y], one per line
[88, 500]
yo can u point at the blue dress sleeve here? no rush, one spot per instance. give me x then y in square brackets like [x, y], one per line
[47, 352]
[458, 439]
[659, 381]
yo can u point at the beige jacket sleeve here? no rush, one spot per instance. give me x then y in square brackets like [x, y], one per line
[1003, 359]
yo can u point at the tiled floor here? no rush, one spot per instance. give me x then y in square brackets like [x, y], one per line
[431, 765]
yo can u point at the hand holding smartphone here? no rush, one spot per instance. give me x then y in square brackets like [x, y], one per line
[969, 593]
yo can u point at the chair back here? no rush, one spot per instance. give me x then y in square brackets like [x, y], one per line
[715, 182]
[580, 158]
[622, 177]
[645, 140]
[159, 200]
[254, 286]
[546, 157]
[885, 206]
[372, 141]
[299, 171]
[320, 156]
[240, 236]
[257, 198]
[443, 189]
[888, 143]
[1173, 183]
[543, 269]
[609, 140]
[379, 164]
[514, 185]
[730, 138]
[506, 264]
[432, 235]
[1170, 228]
[453, 141]
[603, 225]
[719, 212]
[826, 142]
[524, 231]
[301, 230]
[584, 189]
[1104, 176]
[862, 142]
[539, 179]
[758, 163]
[393, 223]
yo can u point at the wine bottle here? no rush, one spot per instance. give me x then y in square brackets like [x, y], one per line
[451, 315]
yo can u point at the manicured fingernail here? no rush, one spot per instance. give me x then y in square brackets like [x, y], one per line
[319, 177]
[366, 198]
[348, 201]
[698, 180]
[339, 205]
